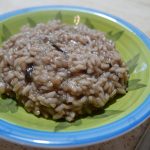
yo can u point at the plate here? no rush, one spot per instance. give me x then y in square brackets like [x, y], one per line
[119, 116]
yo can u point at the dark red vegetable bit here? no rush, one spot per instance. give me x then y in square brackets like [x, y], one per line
[57, 48]
[28, 72]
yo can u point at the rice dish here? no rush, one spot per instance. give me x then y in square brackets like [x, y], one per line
[61, 71]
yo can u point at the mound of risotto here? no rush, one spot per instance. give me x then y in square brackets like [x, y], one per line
[61, 71]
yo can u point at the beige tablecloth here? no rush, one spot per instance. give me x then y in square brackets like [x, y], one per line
[136, 12]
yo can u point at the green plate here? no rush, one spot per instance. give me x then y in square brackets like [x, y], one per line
[129, 43]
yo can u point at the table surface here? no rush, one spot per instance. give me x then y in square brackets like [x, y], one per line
[137, 12]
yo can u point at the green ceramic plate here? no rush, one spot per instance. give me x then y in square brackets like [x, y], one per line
[19, 126]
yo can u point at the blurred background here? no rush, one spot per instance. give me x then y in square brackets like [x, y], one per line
[137, 12]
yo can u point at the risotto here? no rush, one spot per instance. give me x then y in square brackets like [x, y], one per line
[61, 71]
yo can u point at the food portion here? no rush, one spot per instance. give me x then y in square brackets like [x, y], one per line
[61, 71]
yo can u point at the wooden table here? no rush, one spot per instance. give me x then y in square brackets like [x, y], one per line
[136, 12]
